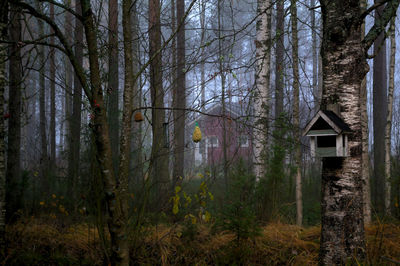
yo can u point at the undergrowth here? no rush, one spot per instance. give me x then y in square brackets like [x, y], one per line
[41, 241]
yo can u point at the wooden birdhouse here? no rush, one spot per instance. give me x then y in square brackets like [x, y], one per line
[329, 135]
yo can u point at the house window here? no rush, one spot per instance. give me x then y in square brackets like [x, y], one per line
[212, 141]
[243, 141]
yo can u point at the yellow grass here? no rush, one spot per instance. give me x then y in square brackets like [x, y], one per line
[278, 244]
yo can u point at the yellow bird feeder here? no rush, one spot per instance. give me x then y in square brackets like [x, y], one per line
[196, 133]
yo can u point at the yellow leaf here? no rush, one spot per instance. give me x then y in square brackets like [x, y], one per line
[41, 203]
[211, 196]
[177, 189]
[207, 217]
[175, 209]
[53, 196]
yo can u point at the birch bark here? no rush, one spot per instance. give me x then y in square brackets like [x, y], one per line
[261, 94]
[344, 67]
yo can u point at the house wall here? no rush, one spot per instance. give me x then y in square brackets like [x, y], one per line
[213, 126]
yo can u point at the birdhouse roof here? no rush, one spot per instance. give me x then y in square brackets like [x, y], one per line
[329, 119]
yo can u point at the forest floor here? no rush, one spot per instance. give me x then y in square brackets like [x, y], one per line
[48, 241]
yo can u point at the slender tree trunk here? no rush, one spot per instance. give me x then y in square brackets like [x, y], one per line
[159, 152]
[113, 84]
[202, 6]
[388, 134]
[44, 162]
[13, 174]
[379, 115]
[114, 195]
[279, 58]
[3, 84]
[137, 127]
[314, 57]
[75, 122]
[52, 99]
[364, 140]
[296, 113]
[68, 79]
[261, 97]
[221, 64]
[180, 96]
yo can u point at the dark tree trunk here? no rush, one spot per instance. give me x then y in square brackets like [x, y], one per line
[52, 99]
[379, 116]
[13, 175]
[75, 122]
[279, 58]
[159, 151]
[137, 150]
[68, 79]
[296, 113]
[180, 96]
[3, 84]
[113, 80]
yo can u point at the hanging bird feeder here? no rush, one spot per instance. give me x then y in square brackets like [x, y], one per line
[138, 117]
[196, 133]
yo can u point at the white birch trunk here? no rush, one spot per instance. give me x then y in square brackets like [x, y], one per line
[261, 112]
[389, 116]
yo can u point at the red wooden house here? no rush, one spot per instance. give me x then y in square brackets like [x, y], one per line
[209, 151]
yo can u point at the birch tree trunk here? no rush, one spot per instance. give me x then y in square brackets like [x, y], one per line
[296, 114]
[3, 84]
[344, 67]
[342, 235]
[388, 134]
[13, 175]
[261, 94]
[364, 139]
[379, 115]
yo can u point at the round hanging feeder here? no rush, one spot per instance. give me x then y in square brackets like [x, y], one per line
[196, 133]
[138, 117]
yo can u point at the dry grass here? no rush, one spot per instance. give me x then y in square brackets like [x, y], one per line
[43, 242]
